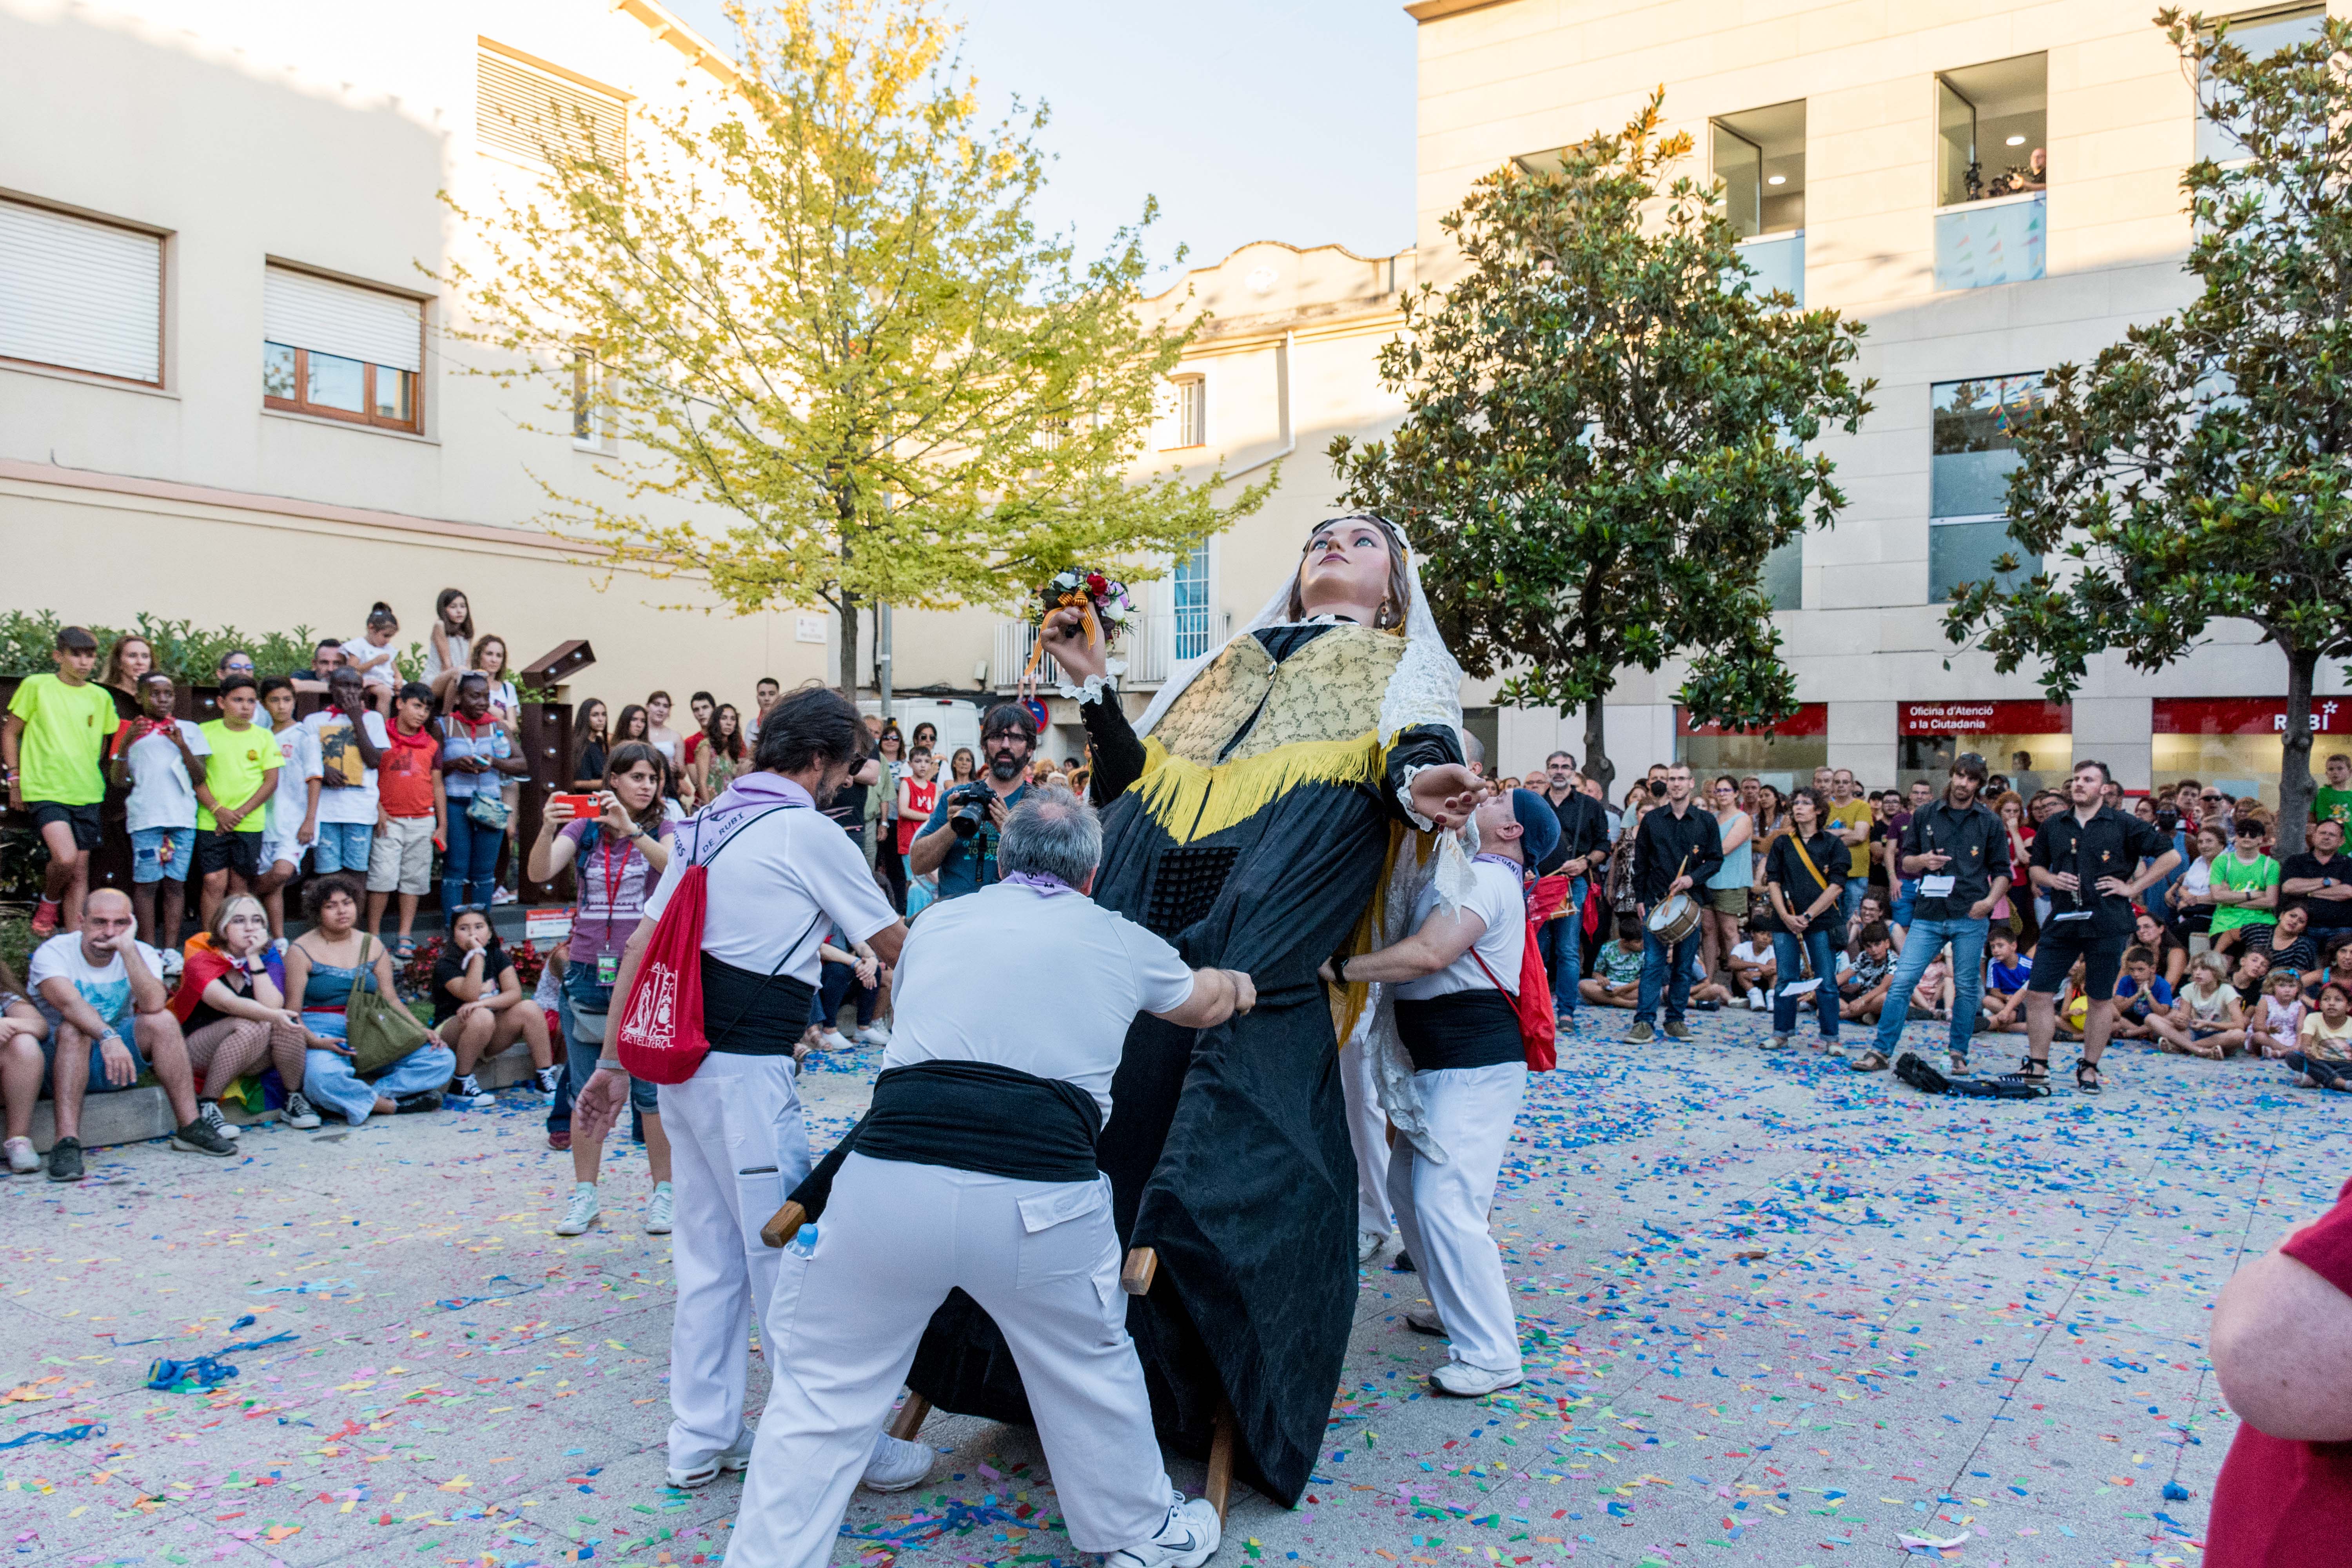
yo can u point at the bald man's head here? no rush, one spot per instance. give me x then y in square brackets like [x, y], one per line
[106, 921]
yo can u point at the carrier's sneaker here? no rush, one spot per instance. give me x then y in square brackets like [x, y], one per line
[834, 1041]
[1641, 1034]
[1422, 1319]
[581, 1212]
[22, 1161]
[209, 1113]
[1756, 1003]
[1186, 1538]
[896, 1463]
[299, 1114]
[1677, 1030]
[875, 1033]
[1462, 1381]
[198, 1138]
[1369, 1245]
[658, 1210]
[737, 1456]
[471, 1093]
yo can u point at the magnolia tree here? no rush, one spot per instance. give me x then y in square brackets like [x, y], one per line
[1606, 435]
[818, 304]
[2198, 470]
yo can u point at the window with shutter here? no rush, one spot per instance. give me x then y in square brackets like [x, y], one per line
[524, 110]
[80, 295]
[340, 350]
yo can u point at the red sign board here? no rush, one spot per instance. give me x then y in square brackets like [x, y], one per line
[1984, 719]
[1809, 718]
[2246, 716]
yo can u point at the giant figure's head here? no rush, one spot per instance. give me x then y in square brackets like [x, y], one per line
[1354, 566]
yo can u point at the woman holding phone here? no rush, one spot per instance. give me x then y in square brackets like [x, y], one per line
[618, 855]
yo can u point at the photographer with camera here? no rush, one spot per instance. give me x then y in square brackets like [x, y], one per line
[959, 840]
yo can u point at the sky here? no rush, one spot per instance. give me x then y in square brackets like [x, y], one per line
[1287, 120]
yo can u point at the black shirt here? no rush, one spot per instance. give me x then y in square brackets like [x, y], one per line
[1667, 846]
[452, 965]
[1798, 885]
[848, 810]
[1978, 847]
[1583, 829]
[2329, 913]
[2112, 844]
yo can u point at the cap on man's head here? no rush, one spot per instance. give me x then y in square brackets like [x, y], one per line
[1970, 765]
[1540, 837]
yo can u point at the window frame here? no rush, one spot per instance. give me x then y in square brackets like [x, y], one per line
[1191, 385]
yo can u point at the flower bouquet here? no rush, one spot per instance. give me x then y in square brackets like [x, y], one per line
[1103, 604]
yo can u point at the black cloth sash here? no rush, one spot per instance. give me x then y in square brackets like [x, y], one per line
[748, 1013]
[982, 1117]
[1460, 1030]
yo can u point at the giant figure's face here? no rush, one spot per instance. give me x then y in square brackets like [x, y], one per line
[1347, 564]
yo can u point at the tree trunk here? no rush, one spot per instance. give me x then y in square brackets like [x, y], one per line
[1597, 765]
[2295, 786]
[849, 644]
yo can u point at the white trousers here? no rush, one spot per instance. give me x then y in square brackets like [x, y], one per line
[1442, 1209]
[737, 1147]
[1042, 1258]
[1367, 1130]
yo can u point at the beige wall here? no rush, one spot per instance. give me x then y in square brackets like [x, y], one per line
[319, 135]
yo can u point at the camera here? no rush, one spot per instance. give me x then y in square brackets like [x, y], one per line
[970, 814]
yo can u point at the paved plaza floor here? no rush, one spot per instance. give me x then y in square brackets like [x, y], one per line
[1774, 1313]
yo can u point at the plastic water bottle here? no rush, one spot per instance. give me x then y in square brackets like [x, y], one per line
[803, 1241]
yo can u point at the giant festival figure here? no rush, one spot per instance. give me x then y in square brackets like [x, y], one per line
[1277, 803]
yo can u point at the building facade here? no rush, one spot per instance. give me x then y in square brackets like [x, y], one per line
[229, 393]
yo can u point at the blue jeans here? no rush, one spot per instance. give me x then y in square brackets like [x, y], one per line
[835, 981]
[1906, 894]
[1561, 942]
[469, 871]
[147, 862]
[1850, 904]
[1668, 970]
[1790, 953]
[329, 1083]
[1919, 949]
[343, 847]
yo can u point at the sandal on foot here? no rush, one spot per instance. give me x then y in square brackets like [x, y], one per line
[2088, 1080]
[403, 949]
[1869, 1061]
[2032, 1072]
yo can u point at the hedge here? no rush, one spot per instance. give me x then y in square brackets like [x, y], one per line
[182, 650]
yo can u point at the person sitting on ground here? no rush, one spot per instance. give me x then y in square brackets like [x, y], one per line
[2274, 1027]
[2338, 967]
[1871, 911]
[480, 1010]
[2207, 1018]
[2289, 944]
[91, 986]
[2245, 886]
[2325, 1058]
[1617, 978]
[234, 1017]
[2006, 974]
[22, 1030]
[2140, 995]
[322, 965]
[1932, 997]
[1754, 966]
[2073, 1010]
[844, 966]
[2170, 953]
[1862, 986]
[2253, 970]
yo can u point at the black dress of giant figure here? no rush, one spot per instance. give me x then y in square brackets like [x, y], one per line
[1251, 829]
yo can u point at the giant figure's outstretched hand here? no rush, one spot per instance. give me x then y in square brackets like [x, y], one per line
[1065, 636]
[1447, 794]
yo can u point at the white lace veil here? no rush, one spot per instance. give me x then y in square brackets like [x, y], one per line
[1424, 688]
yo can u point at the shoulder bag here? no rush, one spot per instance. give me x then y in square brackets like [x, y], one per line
[1835, 922]
[379, 1028]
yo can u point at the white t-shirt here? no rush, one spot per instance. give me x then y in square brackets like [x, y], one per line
[162, 794]
[331, 734]
[385, 674]
[765, 888]
[461, 653]
[663, 740]
[106, 989]
[1101, 969]
[1495, 898]
[1754, 953]
[291, 804]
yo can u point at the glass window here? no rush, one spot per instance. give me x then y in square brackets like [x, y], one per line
[1959, 553]
[392, 394]
[1192, 603]
[278, 378]
[1784, 762]
[2260, 35]
[2046, 758]
[2236, 764]
[1784, 575]
[336, 383]
[1974, 442]
[1992, 130]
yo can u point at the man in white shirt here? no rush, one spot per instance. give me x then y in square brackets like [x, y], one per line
[349, 738]
[1455, 979]
[975, 1170]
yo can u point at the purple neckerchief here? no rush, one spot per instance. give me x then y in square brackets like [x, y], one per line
[1045, 884]
[748, 791]
[1519, 872]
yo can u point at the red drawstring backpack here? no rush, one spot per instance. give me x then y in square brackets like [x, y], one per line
[661, 1037]
[1539, 1030]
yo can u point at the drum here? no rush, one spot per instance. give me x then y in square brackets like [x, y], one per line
[1675, 919]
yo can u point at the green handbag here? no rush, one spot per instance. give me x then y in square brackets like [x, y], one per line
[379, 1029]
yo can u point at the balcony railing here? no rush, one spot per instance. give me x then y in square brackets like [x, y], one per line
[1143, 658]
[1778, 261]
[1014, 640]
[2002, 240]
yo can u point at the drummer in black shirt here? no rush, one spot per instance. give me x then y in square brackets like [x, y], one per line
[1677, 847]
[2084, 861]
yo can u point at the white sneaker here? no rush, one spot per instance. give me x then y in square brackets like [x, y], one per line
[1756, 1003]
[834, 1041]
[471, 1093]
[299, 1113]
[1422, 1319]
[896, 1464]
[877, 1032]
[1186, 1538]
[277, 946]
[208, 1111]
[736, 1458]
[21, 1158]
[1368, 1243]
[548, 1079]
[1462, 1381]
[172, 964]
[506, 896]
[581, 1212]
[658, 1209]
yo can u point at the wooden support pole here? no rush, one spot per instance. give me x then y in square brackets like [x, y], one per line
[1220, 1459]
[783, 1225]
[910, 1418]
[1142, 1264]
